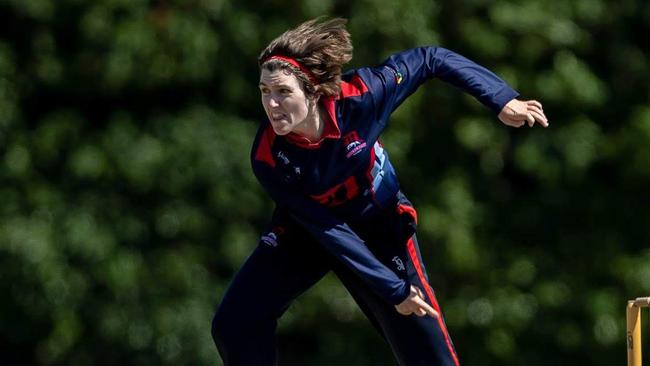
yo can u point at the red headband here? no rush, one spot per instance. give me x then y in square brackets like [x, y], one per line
[297, 64]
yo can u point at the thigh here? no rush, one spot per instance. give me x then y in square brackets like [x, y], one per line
[286, 262]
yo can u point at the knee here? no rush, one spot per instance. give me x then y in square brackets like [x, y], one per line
[224, 335]
[231, 324]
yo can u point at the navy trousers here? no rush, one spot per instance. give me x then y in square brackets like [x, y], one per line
[288, 261]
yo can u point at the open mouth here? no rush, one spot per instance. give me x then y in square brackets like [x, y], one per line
[278, 117]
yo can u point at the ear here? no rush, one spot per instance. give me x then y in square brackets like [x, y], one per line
[314, 98]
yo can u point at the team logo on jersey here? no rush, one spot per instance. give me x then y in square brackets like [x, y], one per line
[353, 144]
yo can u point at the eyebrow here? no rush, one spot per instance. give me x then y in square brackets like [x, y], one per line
[277, 86]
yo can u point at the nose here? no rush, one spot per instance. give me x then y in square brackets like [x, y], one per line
[273, 102]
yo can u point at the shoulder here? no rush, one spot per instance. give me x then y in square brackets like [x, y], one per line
[373, 82]
[352, 84]
[391, 71]
[366, 81]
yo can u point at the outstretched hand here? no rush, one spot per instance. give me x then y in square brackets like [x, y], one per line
[517, 112]
[415, 304]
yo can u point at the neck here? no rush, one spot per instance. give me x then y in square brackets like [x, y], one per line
[314, 125]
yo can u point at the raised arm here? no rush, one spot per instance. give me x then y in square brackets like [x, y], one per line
[401, 74]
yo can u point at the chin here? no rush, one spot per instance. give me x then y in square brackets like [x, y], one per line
[281, 130]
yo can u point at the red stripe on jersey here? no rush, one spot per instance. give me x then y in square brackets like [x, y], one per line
[354, 88]
[264, 152]
[402, 208]
[302, 141]
[414, 258]
[331, 129]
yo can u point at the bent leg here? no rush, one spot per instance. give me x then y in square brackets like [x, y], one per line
[276, 272]
[414, 340]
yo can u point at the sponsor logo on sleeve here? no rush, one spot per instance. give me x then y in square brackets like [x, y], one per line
[398, 78]
[398, 75]
[398, 263]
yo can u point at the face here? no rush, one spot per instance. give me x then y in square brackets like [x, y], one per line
[284, 101]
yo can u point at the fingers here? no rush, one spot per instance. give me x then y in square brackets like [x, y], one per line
[536, 110]
[517, 113]
[540, 117]
[534, 107]
[425, 309]
[534, 103]
[530, 119]
[416, 304]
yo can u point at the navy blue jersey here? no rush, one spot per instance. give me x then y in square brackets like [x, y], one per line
[347, 176]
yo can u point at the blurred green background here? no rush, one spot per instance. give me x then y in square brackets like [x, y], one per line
[127, 201]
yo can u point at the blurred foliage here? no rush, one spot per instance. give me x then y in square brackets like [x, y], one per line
[127, 202]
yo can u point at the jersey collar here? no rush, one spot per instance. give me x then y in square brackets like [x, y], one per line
[330, 130]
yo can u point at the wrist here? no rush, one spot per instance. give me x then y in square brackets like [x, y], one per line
[402, 294]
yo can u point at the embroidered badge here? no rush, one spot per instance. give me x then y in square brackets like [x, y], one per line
[353, 144]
